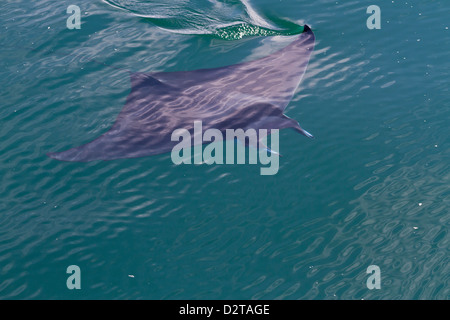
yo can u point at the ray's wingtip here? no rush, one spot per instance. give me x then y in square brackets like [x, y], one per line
[62, 156]
[306, 28]
[304, 132]
[50, 155]
[309, 135]
[54, 155]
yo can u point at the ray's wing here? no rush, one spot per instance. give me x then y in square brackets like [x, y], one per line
[140, 129]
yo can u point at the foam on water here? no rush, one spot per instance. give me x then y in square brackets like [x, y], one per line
[223, 19]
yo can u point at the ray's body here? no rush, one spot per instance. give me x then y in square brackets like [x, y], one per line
[247, 95]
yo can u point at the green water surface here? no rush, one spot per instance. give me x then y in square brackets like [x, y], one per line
[371, 189]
